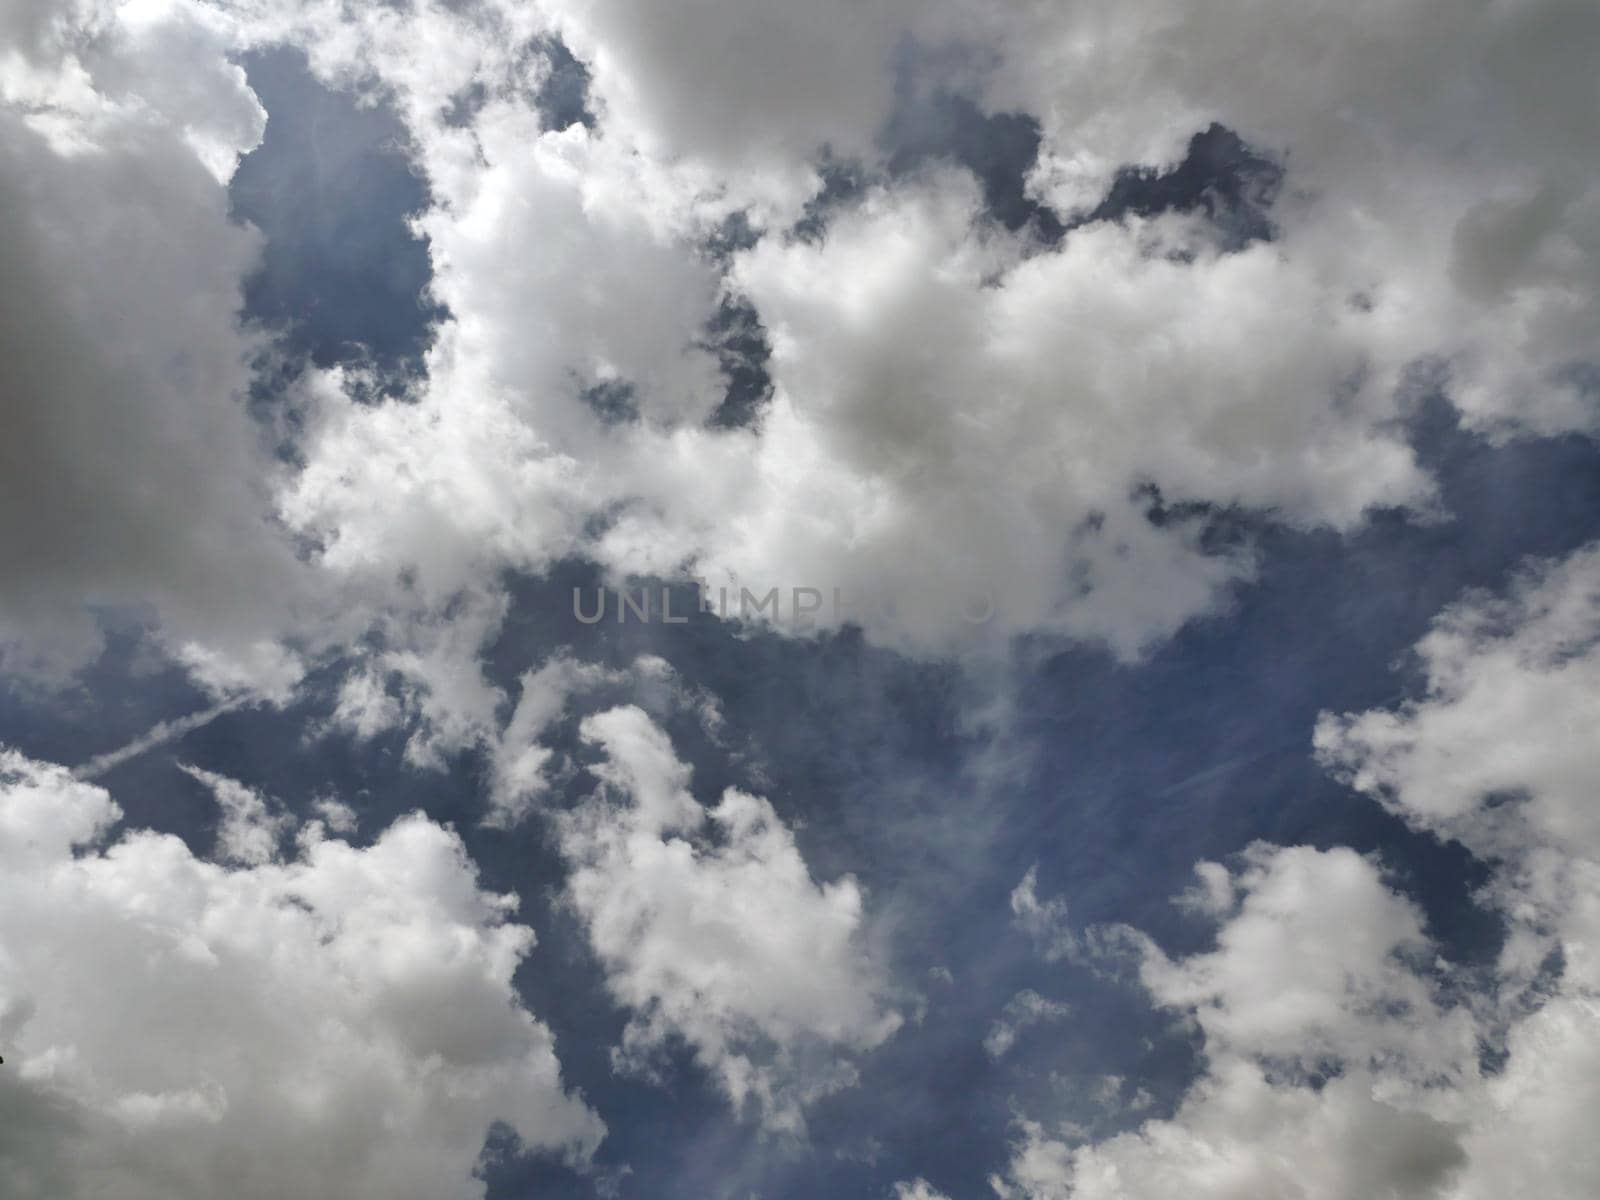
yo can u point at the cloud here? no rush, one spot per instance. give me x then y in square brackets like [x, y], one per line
[336, 814]
[958, 414]
[1025, 1009]
[130, 473]
[159, 734]
[253, 825]
[434, 658]
[519, 761]
[960, 423]
[713, 933]
[1334, 1067]
[438, 692]
[1342, 1055]
[1498, 756]
[757, 91]
[521, 766]
[338, 1022]
[1463, 210]
[1492, 755]
[1298, 983]
[1045, 921]
[960, 417]
[1316, 972]
[1238, 1134]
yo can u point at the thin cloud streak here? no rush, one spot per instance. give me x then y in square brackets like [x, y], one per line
[158, 735]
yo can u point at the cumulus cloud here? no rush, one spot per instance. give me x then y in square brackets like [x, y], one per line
[1338, 1074]
[444, 692]
[336, 814]
[520, 762]
[1498, 755]
[931, 450]
[130, 473]
[757, 91]
[427, 678]
[336, 1022]
[1463, 211]
[963, 421]
[1312, 974]
[962, 424]
[522, 765]
[1342, 1056]
[1296, 984]
[253, 825]
[713, 933]
[961, 418]
[437, 692]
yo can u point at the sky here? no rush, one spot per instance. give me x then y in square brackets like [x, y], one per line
[715, 601]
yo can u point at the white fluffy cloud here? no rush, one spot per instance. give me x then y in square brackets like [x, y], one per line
[959, 419]
[522, 767]
[1438, 166]
[252, 825]
[1320, 967]
[1298, 983]
[1499, 755]
[520, 763]
[707, 921]
[1320, 970]
[958, 423]
[338, 1023]
[1513, 683]
[713, 932]
[956, 426]
[959, 416]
